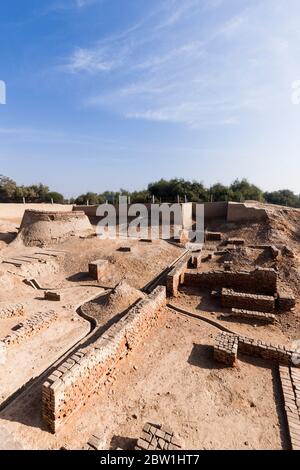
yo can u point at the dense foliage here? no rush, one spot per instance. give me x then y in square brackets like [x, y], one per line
[11, 192]
[159, 191]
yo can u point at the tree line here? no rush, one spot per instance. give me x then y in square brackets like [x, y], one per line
[159, 191]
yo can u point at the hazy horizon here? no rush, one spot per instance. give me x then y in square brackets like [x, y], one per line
[102, 95]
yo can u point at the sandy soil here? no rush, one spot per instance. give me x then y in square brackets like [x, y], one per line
[172, 378]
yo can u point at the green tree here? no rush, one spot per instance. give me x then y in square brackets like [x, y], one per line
[56, 197]
[7, 189]
[242, 190]
[283, 197]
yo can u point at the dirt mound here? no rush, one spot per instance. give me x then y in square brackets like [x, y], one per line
[122, 297]
[114, 304]
[40, 228]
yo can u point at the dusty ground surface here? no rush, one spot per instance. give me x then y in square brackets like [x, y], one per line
[171, 377]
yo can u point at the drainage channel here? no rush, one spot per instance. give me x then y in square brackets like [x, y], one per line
[148, 288]
[33, 381]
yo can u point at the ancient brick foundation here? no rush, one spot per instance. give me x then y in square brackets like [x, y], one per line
[30, 327]
[290, 383]
[68, 387]
[257, 316]
[259, 281]
[225, 349]
[12, 310]
[176, 276]
[241, 300]
[228, 345]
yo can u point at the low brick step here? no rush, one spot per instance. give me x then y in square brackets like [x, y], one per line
[249, 314]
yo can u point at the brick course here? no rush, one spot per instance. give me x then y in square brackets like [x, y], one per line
[12, 310]
[67, 389]
[250, 315]
[228, 345]
[290, 383]
[30, 327]
[176, 276]
[259, 281]
[241, 300]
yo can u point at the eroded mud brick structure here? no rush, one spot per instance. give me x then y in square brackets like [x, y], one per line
[46, 227]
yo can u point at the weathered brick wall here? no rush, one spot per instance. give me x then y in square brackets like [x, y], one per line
[226, 348]
[30, 327]
[176, 276]
[228, 345]
[260, 280]
[241, 300]
[11, 310]
[68, 387]
[290, 383]
[252, 315]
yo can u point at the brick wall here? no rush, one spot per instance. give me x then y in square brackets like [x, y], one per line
[260, 280]
[290, 383]
[228, 345]
[176, 276]
[30, 327]
[241, 300]
[68, 387]
[11, 310]
[252, 315]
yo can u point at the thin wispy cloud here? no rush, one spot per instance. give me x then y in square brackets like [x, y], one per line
[172, 67]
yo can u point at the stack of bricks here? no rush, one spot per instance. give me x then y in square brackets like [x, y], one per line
[259, 281]
[30, 327]
[95, 442]
[245, 301]
[98, 268]
[251, 347]
[157, 437]
[176, 276]
[68, 387]
[12, 310]
[226, 348]
[290, 383]
[250, 315]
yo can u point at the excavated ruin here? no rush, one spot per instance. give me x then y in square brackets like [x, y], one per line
[39, 228]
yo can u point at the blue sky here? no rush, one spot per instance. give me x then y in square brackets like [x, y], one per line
[103, 94]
